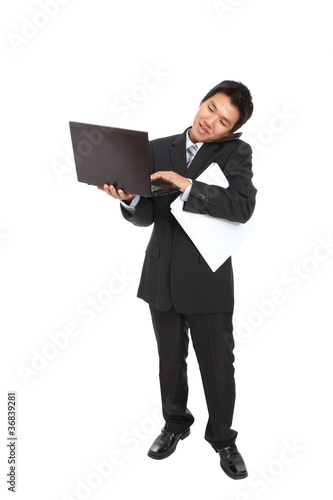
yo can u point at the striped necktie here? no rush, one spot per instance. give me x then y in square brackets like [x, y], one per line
[191, 152]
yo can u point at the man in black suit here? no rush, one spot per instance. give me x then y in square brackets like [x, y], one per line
[182, 291]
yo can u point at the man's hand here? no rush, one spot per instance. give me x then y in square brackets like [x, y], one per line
[117, 195]
[175, 179]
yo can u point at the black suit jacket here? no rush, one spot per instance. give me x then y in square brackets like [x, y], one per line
[174, 272]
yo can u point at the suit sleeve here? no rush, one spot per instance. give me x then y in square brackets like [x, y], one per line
[144, 213]
[236, 202]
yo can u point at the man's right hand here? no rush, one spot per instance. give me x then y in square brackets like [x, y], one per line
[117, 195]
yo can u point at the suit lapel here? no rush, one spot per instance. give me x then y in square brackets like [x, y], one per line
[178, 154]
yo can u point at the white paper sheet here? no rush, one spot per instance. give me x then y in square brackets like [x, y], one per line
[215, 238]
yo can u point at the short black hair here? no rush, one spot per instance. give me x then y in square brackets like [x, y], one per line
[240, 97]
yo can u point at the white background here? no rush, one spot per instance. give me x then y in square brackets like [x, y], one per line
[94, 401]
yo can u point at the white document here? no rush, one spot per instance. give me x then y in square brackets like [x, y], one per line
[214, 238]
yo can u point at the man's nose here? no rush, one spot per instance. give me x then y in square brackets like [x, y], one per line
[209, 122]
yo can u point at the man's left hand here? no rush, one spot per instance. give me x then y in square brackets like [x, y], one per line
[175, 179]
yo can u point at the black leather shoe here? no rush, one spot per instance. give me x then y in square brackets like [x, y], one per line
[165, 444]
[232, 462]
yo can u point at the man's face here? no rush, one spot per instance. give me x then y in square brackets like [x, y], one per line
[214, 120]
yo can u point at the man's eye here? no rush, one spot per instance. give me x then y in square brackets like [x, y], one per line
[222, 123]
[210, 109]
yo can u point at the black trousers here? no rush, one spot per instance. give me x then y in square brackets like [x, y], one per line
[213, 343]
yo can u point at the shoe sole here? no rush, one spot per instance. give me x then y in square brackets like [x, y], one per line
[167, 454]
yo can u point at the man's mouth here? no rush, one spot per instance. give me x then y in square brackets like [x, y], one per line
[203, 130]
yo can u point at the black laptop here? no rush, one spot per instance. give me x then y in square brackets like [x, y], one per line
[109, 155]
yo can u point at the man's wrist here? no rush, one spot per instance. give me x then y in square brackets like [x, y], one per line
[133, 203]
[185, 195]
[186, 186]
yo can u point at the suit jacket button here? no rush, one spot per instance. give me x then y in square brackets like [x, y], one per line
[177, 243]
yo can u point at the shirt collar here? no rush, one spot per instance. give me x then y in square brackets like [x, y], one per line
[190, 143]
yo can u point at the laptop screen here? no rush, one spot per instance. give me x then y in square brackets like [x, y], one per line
[109, 155]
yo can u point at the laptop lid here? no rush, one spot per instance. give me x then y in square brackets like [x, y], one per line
[110, 155]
